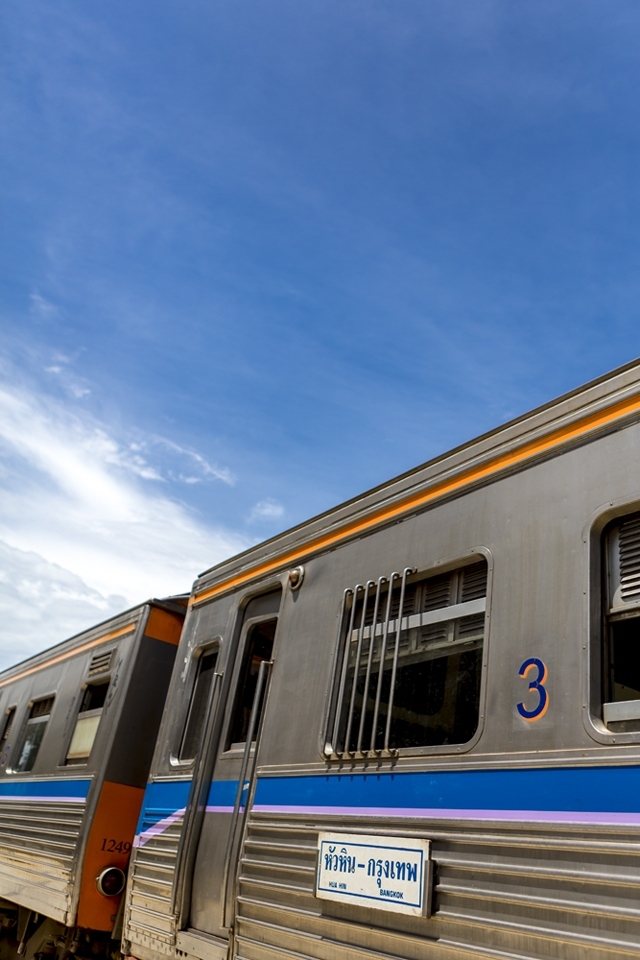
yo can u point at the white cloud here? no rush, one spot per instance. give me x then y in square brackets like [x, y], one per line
[70, 382]
[41, 307]
[42, 603]
[85, 525]
[208, 471]
[266, 510]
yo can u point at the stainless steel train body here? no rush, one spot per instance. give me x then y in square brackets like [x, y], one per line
[499, 587]
[78, 724]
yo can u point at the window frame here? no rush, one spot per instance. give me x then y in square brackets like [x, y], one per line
[23, 731]
[237, 749]
[596, 536]
[98, 680]
[10, 714]
[423, 572]
[189, 687]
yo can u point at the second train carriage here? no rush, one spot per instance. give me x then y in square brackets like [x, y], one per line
[78, 725]
[410, 728]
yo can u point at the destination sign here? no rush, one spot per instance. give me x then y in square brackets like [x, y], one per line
[384, 873]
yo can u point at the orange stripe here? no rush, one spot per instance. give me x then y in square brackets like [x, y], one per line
[164, 625]
[521, 454]
[70, 653]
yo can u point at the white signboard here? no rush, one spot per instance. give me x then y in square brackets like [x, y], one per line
[387, 873]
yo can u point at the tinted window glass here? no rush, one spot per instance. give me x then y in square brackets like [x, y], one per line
[258, 647]
[34, 732]
[5, 748]
[198, 706]
[434, 663]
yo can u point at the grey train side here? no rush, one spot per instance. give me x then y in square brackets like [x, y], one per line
[503, 728]
[78, 724]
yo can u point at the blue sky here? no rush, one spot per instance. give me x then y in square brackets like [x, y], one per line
[257, 257]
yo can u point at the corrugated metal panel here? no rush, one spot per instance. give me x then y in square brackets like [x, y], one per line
[151, 880]
[38, 842]
[509, 893]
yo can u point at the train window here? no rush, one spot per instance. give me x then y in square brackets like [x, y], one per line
[196, 716]
[409, 664]
[621, 709]
[258, 647]
[86, 728]
[5, 749]
[8, 723]
[33, 733]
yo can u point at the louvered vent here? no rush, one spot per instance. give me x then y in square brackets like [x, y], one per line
[41, 708]
[436, 592]
[630, 560]
[474, 582]
[100, 662]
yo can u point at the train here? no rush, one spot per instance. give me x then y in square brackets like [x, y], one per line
[407, 728]
[78, 726]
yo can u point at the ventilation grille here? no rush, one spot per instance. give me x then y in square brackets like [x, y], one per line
[41, 708]
[474, 582]
[436, 592]
[630, 560]
[100, 662]
[443, 590]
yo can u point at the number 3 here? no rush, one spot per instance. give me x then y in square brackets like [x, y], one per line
[539, 686]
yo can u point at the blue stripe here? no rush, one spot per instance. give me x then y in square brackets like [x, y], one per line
[222, 793]
[615, 789]
[588, 790]
[164, 798]
[62, 788]
[161, 799]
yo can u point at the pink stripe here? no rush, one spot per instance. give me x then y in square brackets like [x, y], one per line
[436, 813]
[157, 828]
[209, 809]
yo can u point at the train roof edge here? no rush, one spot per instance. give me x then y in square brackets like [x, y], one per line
[115, 623]
[618, 388]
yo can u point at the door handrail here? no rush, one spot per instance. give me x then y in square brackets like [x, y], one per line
[239, 814]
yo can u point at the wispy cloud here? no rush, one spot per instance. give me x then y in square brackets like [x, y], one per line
[61, 368]
[85, 526]
[201, 468]
[266, 510]
[41, 307]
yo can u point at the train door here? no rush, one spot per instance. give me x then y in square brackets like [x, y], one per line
[209, 888]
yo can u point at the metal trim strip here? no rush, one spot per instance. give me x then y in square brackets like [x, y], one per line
[70, 653]
[491, 468]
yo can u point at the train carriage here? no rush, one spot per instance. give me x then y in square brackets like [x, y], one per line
[410, 728]
[78, 725]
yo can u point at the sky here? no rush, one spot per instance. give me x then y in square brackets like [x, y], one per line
[258, 257]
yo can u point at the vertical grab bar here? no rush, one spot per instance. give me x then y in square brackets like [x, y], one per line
[383, 654]
[345, 662]
[356, 666]
[394, 668]
[263, 670]
[372, 643]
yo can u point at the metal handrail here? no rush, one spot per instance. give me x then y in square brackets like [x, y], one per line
[263, 671]
[345, 659]
[394, 668]
[383, 653]
[354, 685]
